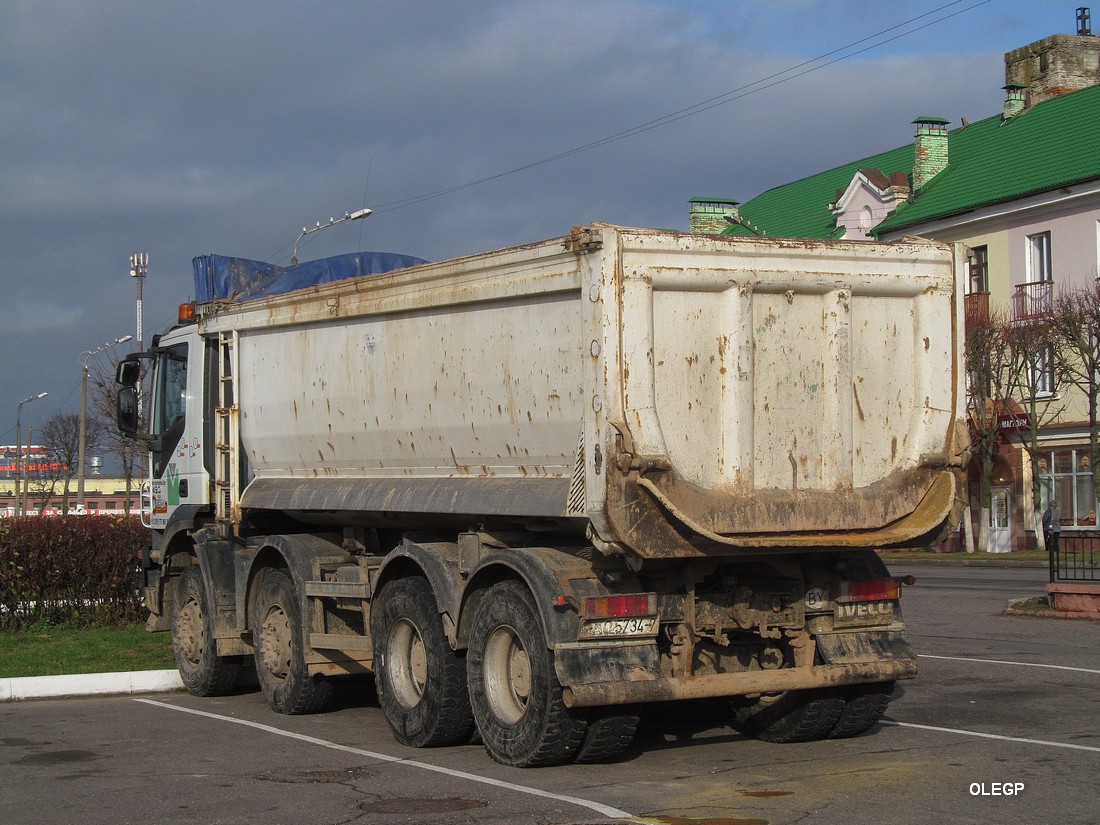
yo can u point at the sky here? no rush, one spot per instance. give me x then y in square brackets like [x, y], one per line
[185, 128]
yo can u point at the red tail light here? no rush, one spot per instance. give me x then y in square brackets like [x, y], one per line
[619, 607]
[876, 590]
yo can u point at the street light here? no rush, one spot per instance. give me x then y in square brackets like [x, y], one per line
[19, 448]
[87, 356]
[348, 216]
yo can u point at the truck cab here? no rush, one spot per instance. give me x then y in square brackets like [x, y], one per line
[168, 417]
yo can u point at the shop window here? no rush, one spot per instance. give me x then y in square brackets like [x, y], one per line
[1066, 476]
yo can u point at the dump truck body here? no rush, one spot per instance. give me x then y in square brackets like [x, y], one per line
[676, 452]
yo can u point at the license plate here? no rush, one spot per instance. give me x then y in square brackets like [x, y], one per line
[862, 614]
[619, 628]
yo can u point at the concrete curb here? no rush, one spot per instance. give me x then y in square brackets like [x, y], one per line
[1033, 607]
[88, 684]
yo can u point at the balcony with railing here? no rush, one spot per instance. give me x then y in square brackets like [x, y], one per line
[1032, 300]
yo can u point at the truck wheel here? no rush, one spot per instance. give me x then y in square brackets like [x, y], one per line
[864, 706]
[421, 682]
[794, 716]
[515, 694]
[280, 658]
[608, 735]
[204, 673]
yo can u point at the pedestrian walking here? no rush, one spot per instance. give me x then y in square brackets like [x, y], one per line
[1052, 526]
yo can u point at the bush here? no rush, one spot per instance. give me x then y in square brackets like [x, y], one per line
[79, 571]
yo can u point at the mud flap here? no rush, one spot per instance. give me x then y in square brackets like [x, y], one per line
[589, 664]
[864, 647]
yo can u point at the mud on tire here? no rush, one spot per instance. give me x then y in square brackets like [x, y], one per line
[515, 694]
[280, 650]
[203, 672]
[421, 681]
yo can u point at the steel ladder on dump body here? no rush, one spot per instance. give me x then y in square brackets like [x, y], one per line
[334, 583]
[227, 465]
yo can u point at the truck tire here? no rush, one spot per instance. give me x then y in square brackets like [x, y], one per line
[280, 651]
[515, 694]
[794, 716]
[609, 734]
[421, 681]
[864, 706]
[203, 672]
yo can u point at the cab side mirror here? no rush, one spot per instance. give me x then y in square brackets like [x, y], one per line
[128, 372]
[126, 413]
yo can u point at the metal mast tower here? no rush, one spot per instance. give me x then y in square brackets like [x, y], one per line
[139, 268]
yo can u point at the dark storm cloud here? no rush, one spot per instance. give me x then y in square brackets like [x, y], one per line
[185, 128]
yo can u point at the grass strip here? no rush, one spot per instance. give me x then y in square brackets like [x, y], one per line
[55, 651]
[991, 559]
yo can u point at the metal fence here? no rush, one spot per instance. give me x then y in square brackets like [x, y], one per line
[1076, 558]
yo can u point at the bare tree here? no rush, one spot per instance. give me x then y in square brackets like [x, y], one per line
[1035, 352]
[992, 383]
[102, 400]
[1077, 327]
[61, 439]
[41, 474]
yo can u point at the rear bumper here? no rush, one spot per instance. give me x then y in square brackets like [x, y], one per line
[736, 684]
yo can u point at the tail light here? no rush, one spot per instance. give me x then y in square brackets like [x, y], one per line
[874, 590]
[619, 607]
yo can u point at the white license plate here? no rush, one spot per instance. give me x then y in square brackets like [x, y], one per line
[619, 628]
[863, 614]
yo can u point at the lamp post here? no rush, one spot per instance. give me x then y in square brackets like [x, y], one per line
[19, 448]
[348, 216]
[82, 444]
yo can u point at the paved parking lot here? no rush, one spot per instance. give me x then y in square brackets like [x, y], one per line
[1001, 726]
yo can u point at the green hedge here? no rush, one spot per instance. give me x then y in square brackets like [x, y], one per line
[79, 571]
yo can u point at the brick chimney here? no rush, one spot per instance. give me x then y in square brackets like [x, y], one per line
[930, 157]
[708, 214]
[1054, 65]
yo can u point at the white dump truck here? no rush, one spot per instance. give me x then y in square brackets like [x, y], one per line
[534, 488]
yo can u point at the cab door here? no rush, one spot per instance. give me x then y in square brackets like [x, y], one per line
[178, 476]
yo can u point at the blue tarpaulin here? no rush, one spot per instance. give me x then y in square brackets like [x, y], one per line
[220, 278]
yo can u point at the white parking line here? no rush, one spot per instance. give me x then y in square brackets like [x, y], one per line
[604, 810]
[1002, 662]
[1018, 739]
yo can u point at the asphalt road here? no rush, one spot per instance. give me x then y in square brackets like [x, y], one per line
[1001, 704]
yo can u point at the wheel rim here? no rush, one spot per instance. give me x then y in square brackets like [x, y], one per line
[507, 675]
[275, 643]
[407, 659]
[190, 632]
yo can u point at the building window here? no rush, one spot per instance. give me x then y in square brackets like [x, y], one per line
[110, 505]
[1038, 258]
[1066, 477]
[1041, 374]
[978, 264]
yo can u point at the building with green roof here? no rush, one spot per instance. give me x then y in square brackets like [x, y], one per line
[1020, 188]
